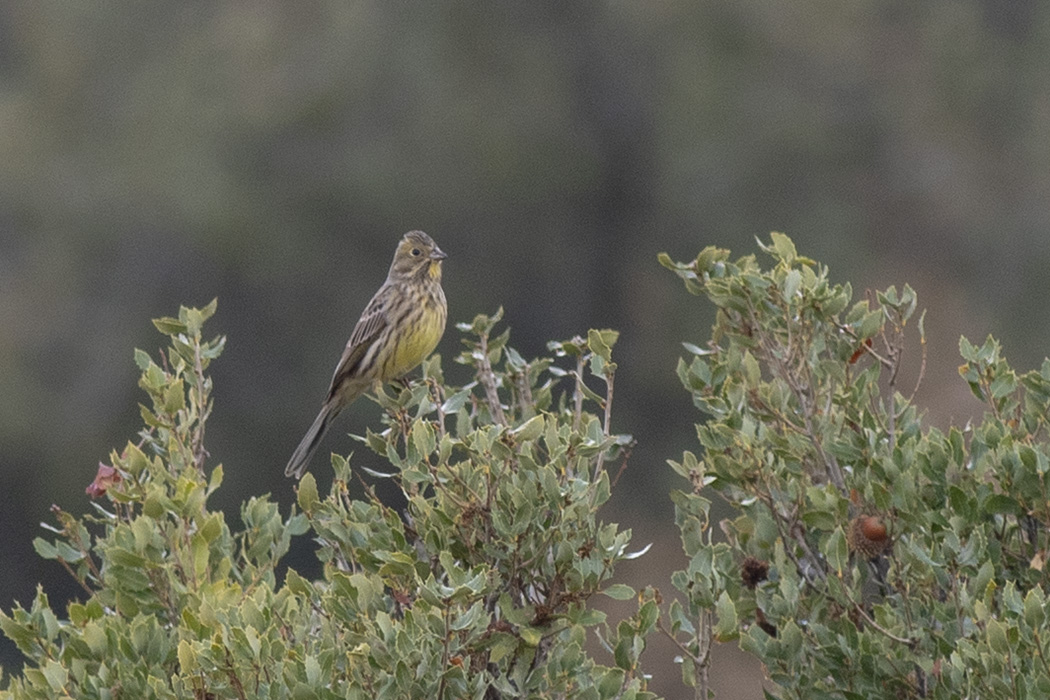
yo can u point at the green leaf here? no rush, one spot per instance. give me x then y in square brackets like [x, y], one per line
[187, 657]
[837, 551]
[57, 676]
[503, 645]
[1003, 385]
[967, 350]
[648, 615]
[784, 247]
[215, 480]
[471, 618]
[610, 683]
[209, 310]
[169, 326]
[154, 506]
[1035, 608]
[306, 494]
[997, 637]
[529, 430]
[727, 627]
[835, 305]
[135, 461]
[869, 325]
[456, 401]
[619, 591]
[313, 671]
[600, 342]
[515, 615]
[149, 418]
[297, 584]
[531, 635]
[1001, 503]
[790, 639]
[689, 679]
[45, 549]
[78, 614]
[212, 527]
[820, 520]
[423, 437]
[201, 553]
[792, 281]
[174, 397]
[142, 359]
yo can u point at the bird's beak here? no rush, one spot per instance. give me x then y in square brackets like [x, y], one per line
[437, 254]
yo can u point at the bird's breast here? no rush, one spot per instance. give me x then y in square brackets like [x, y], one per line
[422, 331]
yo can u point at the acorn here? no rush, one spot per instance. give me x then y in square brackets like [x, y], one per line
[867, 536]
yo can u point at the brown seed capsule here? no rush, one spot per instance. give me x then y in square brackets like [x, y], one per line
[867, 536]
[753, 571]
[874, 529]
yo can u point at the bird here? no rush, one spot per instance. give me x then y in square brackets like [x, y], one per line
[398, 329]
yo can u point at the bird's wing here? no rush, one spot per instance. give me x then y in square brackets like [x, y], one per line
[372, 320]
[368, 328]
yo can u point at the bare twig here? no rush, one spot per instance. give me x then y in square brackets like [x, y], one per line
[444, 654]
[623, 465]
[524, 392]
[488, 380]
[702, 659]
[83, 584]
[199, 453]
[435, 389]
[874, 625]
[609, 376]
[577, 395]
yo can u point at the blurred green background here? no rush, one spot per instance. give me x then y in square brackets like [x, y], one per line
[271, 154]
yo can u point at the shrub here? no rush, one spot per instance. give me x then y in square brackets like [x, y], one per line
[478, 587]
[868, 555]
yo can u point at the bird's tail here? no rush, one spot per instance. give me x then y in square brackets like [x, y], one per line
[305, 451]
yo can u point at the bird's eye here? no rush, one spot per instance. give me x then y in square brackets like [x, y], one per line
[416, 252]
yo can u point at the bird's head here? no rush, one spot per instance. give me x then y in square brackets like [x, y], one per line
[417, 256]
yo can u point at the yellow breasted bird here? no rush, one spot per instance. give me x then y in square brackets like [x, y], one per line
[398, 329]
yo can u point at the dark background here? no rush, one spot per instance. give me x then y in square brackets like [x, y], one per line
[271, 153]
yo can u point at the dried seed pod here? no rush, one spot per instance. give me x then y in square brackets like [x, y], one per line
[867, 536]
[753, 571]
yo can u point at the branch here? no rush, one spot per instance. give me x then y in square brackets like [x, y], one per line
[488, 380]
[610, 374]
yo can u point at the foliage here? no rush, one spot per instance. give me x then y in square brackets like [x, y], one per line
[868, 555]
[479, 586]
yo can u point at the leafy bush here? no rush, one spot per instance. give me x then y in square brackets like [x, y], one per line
[867, 555]
[479, 587]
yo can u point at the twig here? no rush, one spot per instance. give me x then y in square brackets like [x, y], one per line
[867, 618]
[231, 673]
[524, 392]
[800, 538]
[577, 409]
[199, 453]
[922, 369]
[623, 465]
[444, 655]
[435, 388]
[488, 380]
[702, 659]
[67, 567]
[609, 376]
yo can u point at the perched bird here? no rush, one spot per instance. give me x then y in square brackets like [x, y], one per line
[398, 329]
